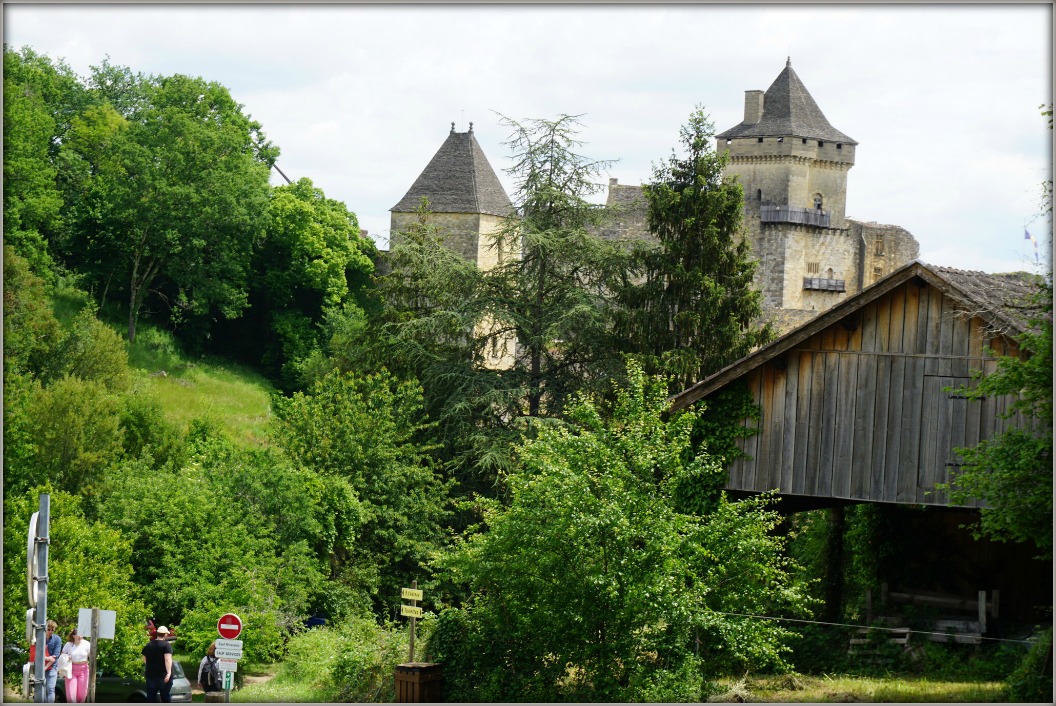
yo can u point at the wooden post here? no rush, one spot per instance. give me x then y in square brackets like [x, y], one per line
[414, 584]
[869, 606]
[982, 612]
[93, 653]
[995, 603]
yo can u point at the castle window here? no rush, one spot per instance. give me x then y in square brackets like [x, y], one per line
[760, 140]
[804, 140]
[828, 273]
[878, 272]
[820, 143]
[817, 201]
[813, 268]
[759, 195]
[839, 145]
[879, 246]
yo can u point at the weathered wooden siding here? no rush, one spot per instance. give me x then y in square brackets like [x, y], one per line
[859, 410]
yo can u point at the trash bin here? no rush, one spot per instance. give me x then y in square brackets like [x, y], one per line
[418, 682]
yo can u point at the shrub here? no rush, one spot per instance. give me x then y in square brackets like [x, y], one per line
[1032, 680]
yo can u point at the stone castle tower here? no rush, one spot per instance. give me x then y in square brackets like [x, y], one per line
[467, 203]
[466, 199]
[793, 164]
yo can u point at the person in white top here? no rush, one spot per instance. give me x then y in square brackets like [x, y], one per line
[77, 684]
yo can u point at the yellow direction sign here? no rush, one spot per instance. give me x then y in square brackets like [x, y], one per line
[411, 594]
[410, 611]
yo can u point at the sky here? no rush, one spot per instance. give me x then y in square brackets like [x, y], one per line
[943, 100]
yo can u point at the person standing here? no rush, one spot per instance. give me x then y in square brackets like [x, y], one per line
[157, 660]
[77, 683]
[53, 646]
[209, 675]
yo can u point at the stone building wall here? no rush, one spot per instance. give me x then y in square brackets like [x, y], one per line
[885, 248]
[791, 172]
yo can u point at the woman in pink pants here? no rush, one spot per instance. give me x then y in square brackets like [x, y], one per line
[77, 684]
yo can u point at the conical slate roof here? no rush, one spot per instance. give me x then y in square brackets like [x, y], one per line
[458, 179]
[789, 111]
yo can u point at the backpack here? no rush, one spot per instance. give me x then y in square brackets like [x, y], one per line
[211, 674]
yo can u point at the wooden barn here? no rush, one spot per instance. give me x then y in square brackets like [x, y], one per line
[860, 405]
[855, 403]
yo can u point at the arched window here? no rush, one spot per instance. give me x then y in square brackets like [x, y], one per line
[829, 273]
[817, 201]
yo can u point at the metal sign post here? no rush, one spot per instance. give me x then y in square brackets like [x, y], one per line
[39, 570]
[93, 654]
[228, 649]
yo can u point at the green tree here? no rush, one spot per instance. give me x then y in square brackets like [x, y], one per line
[365, 429]
[89, 566]
[591, 585]
[190, 556]
[40, 97]
[543, 305]
[170, 198]
[311, 259]
[688, 306]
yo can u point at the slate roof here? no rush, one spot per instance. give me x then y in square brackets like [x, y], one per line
[789, 111]
[1002, 300]
[458, 179]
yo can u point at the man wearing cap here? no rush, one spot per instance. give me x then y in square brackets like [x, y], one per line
[157, 658]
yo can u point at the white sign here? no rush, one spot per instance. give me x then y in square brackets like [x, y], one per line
[229, 649]
[107, 622]
[228, 665]
[31, 560]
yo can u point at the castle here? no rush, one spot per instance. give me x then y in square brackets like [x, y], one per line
[792, 164]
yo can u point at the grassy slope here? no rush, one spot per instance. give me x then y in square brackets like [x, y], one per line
[233, 396]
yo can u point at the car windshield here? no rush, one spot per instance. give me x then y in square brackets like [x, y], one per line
[177, 670]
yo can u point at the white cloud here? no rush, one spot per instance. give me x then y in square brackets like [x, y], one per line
[942, 99]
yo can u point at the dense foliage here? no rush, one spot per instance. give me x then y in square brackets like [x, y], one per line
[592, 585]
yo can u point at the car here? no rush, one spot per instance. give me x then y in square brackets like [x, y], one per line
[111, 689]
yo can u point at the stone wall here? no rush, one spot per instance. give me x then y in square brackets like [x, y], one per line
[885, 248]
[461, 230]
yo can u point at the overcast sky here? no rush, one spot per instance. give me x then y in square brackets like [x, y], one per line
[942, 99]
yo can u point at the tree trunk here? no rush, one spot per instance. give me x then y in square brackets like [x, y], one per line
[833, 610]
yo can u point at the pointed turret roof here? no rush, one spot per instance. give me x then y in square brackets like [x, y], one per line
[789, 111]
[458, 179]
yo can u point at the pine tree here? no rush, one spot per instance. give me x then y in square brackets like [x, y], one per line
[689, 307]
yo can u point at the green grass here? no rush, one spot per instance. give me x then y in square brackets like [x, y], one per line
[842, 689]
[234, 396]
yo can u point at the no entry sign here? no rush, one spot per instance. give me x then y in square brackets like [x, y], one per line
[229, 626]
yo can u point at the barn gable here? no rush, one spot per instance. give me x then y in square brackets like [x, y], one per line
[854, 403]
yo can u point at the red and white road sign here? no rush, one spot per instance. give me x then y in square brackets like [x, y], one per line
[229, 626]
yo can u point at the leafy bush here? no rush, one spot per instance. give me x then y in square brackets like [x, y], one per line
[591, 585]
[1032, 679]
[89, 566]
